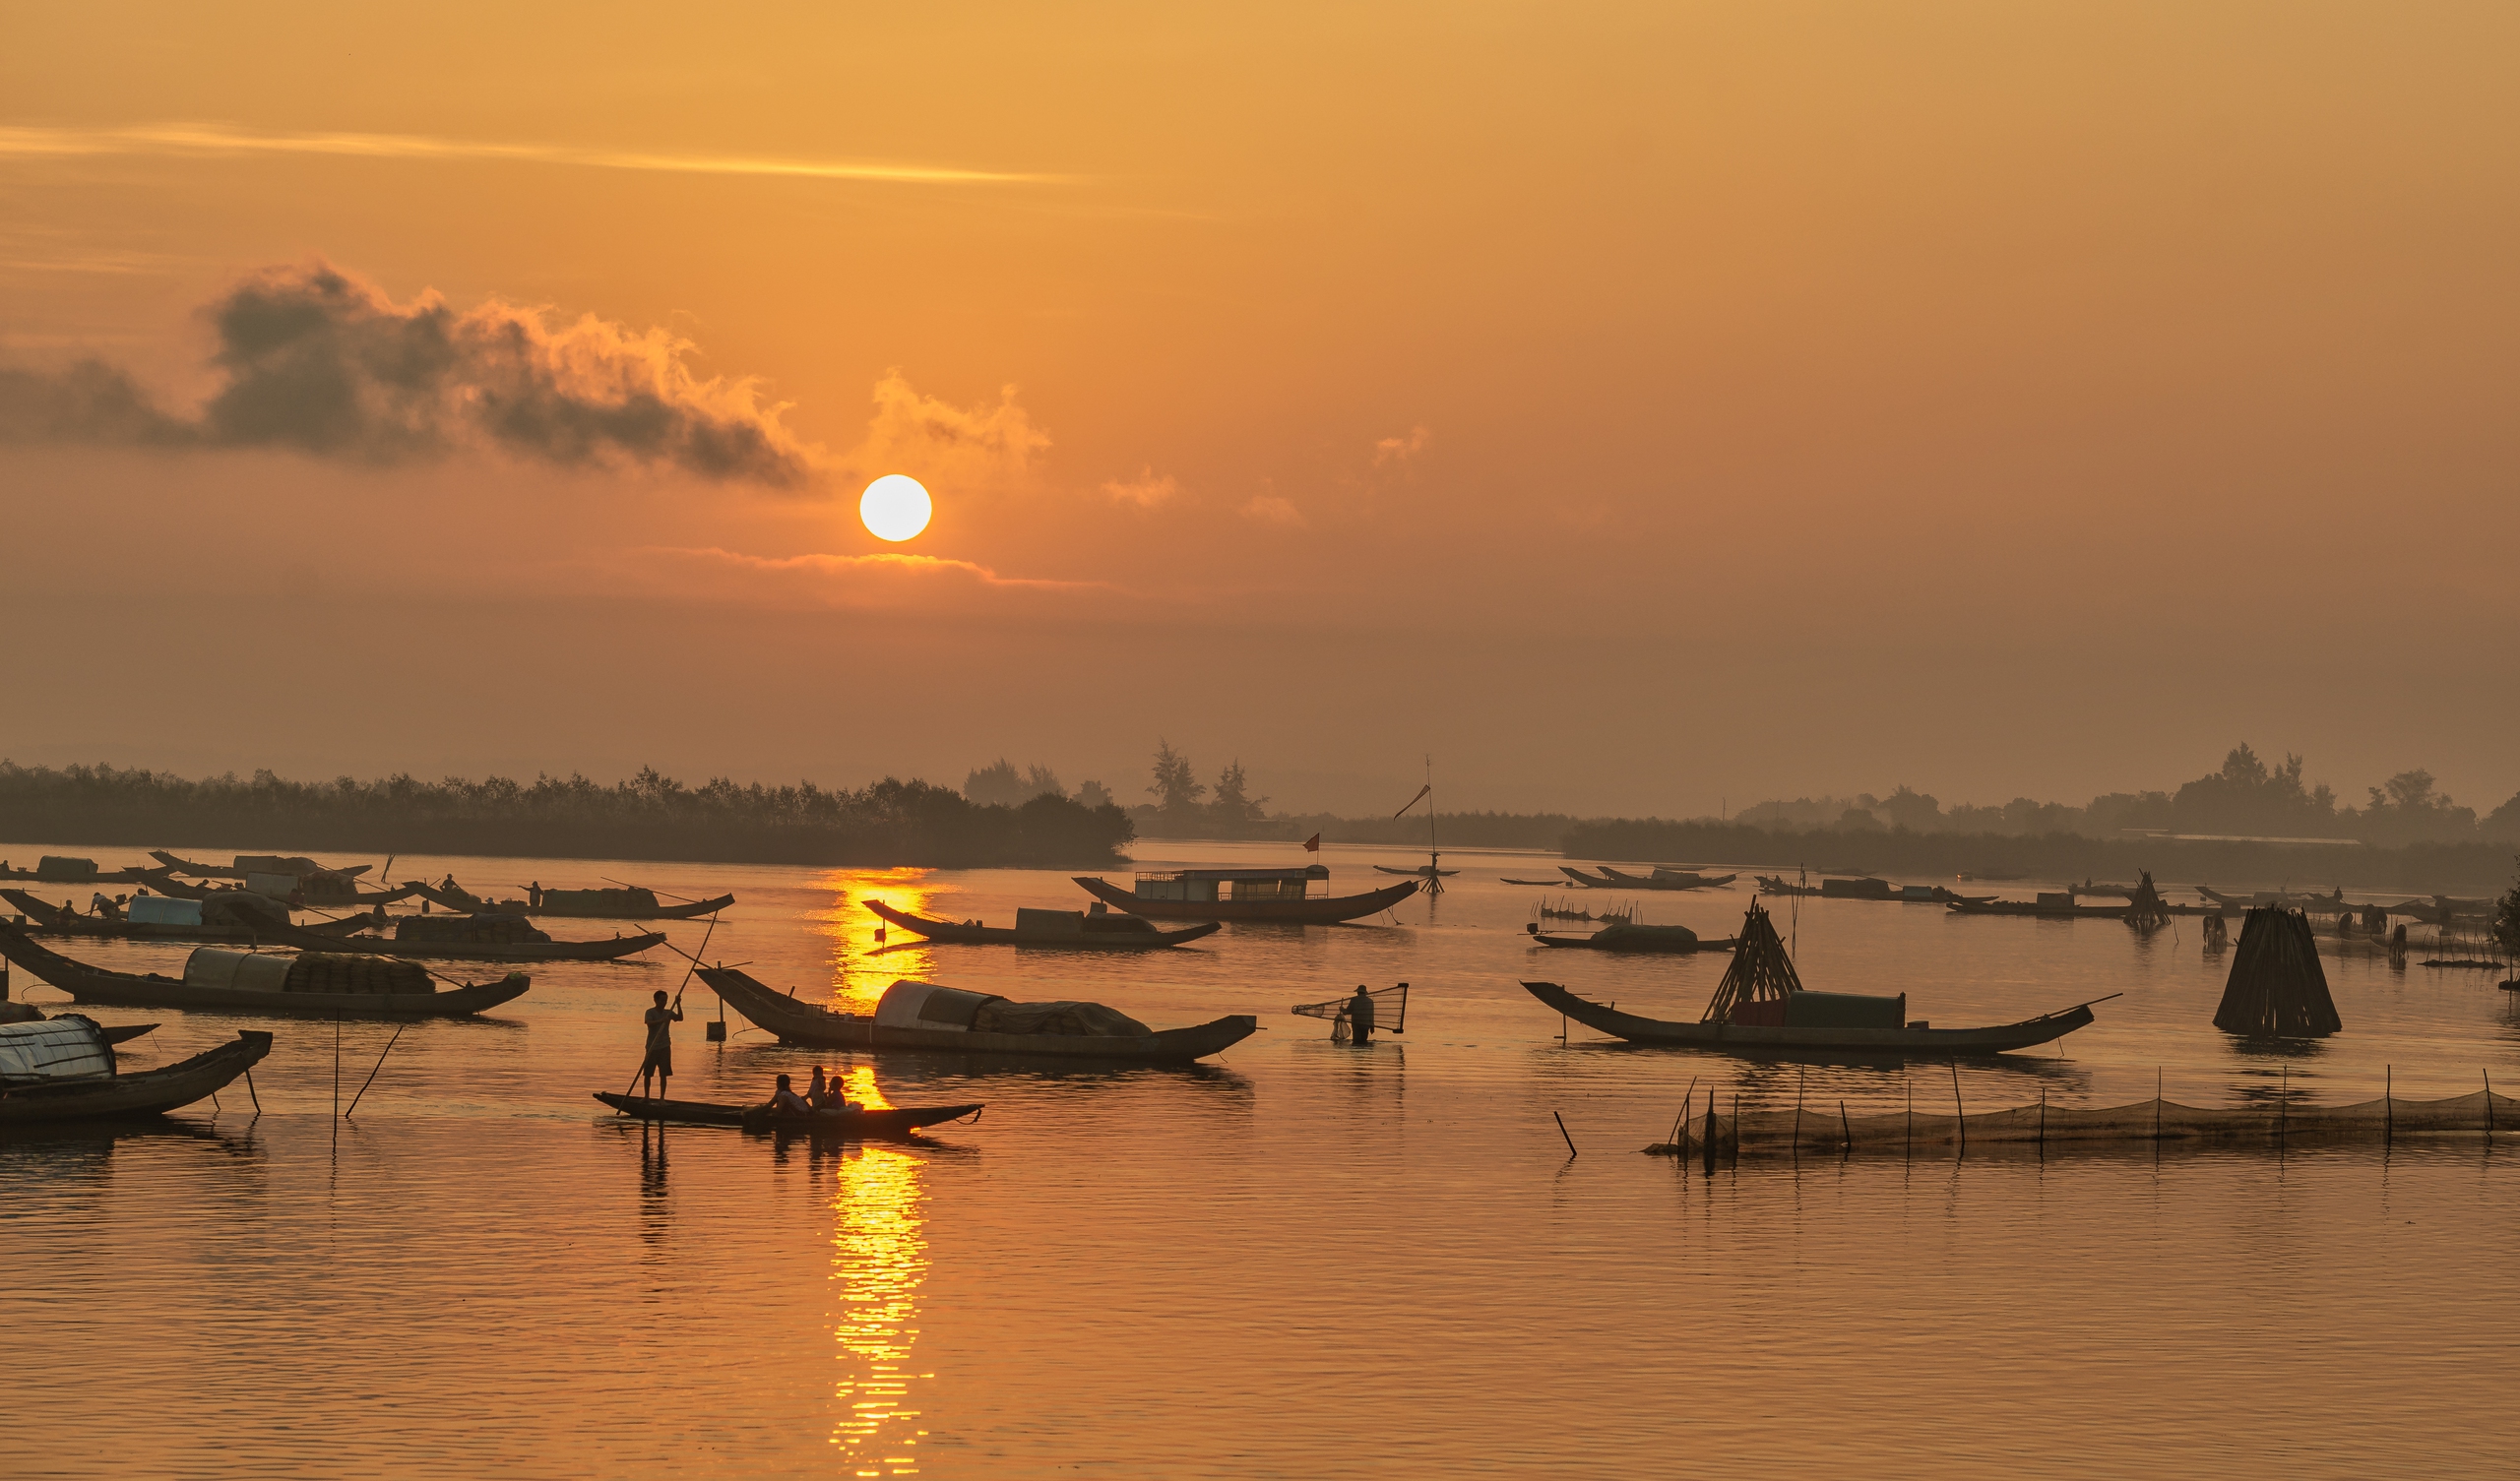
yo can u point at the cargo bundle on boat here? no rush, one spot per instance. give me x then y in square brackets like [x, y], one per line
[926, 1015]
[64, 1069]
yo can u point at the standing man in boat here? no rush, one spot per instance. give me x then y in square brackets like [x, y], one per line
[1361, 1017]
[659, 1060]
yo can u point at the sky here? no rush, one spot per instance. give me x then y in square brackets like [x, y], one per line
[1637, 409]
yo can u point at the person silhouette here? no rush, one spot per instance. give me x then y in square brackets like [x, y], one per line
[1361, 1017]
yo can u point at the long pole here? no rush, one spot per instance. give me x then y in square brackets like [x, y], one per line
[1561, 1130]
[1958, 1107]
[1803, 1079]
[372, 1073]
[1685, 1102]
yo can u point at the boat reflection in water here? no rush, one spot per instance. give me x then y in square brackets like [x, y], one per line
[878, 1258]
[862, 964]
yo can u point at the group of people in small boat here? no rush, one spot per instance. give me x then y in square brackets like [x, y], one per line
[656, 1069]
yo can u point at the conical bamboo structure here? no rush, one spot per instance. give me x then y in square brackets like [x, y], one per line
[2277, 988]
[1760, 972]
[2144, 906]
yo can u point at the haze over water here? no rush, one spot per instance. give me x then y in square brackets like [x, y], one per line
[1299, 1260]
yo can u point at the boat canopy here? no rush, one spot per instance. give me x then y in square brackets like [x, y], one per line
[68, 1047]
[954, 1009]
[1205, 885]
[237, 971]
[163, 910]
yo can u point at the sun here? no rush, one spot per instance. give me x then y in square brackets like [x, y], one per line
[895, 507]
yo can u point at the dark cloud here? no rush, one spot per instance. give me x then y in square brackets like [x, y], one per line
[317, 360]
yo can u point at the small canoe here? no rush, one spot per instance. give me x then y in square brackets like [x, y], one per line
[149, 1092]
[1319, 911]
[890, 1121]
[1755, 1041]
[1420, 871]
[91, 984]
[1958, 906]
[1049, 928]
[1543, 884]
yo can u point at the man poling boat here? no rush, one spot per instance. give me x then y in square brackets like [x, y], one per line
[659, 1057]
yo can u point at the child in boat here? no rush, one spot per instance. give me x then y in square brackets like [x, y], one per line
[785, 1101]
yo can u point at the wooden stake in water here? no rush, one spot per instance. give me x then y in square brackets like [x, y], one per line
[371, 1075]
[1680, 1127]
[1958, 1107]
[1561, 1130]
[1803, 1079]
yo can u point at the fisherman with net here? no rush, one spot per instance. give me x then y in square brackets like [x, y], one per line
[1361, 1017]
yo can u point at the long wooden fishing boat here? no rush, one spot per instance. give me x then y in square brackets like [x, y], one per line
[888, 1121]
[1097, 929]
[1623, 937]
[1244, 895]
[1758, 1041]
[2067, 911]
[1421, 872]
[923, 1016]
[54, 869]
[613, 949]
[249, 864]
[575, 904]
[165, 882]
[149, 1092]
[53, 920]
[203, 991]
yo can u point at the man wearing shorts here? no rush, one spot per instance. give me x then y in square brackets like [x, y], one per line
[659, 1060]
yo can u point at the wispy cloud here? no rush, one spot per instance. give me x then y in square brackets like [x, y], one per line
[1269, 508]
[1392, 451]
[910, 564]
[1146, 490]
[216, 139]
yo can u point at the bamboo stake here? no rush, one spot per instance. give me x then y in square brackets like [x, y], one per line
[1846, 1130]
[1803, 1079]
[1677, 1127]
[1957, 1106]
[2488, 1104]
[1561, 1130]
[2388, 1105]
[372, 1073]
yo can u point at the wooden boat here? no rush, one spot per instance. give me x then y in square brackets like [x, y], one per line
[1541, 884]
[55, 869]
[2043, 911]
[163, 881]
[254, 863]
[149, 1092]
[1762, 1009]
[614, 905]
[1624, 936]
[1779, 1042]
[91, 984]
[1256, 894]
[53, 920]
[902, 1022]
[461, 950]
[888, 1121]
[27, 1013]
[1423, 872]
[1096, 929]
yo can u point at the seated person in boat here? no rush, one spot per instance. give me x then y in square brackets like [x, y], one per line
[787, 1102]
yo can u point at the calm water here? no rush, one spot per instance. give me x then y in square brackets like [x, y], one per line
[1305, 1260]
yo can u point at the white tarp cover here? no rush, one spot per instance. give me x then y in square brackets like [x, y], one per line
[237, 971]
[951, 1009]
[161, 910]
[922, 1004]
[61, 1048]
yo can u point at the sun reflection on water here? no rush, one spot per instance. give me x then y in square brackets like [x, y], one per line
[878, 1260]
[862, 964]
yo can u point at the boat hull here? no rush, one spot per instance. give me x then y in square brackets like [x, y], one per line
[1303, 912]
[799, 1022]
[1640, 947]
[1753, 1042]
[149, 1092]
[462, 905]
[890, 1121]
[958, 934]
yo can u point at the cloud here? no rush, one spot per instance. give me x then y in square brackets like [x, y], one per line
[1269, 508]
[888, 582]
[317, 360]
[1146, 491]
[940, 443]
[1394, 451]
[214, 138]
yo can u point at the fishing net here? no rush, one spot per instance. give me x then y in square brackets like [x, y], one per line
[1391, 1012]
[2277, 988]
[1815, 1127]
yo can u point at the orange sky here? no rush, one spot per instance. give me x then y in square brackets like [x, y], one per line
[1635, 405]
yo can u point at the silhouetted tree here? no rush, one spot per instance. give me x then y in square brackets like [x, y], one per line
[1231, 806]
[1176, 789]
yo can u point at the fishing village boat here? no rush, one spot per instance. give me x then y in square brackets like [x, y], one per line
[1538, 884]
[630, 903]
[1864, 887]
[27, 1013]
[217, 980]
[1627, 936]
[146, 918]
[2056, 905]
[1242, 894]
[62, 868]
[1661, 879]
[418, 938]
[247, 865]
[1761, 1011]
[923, 1015]
[305, 891]
[1421, 872]
[888, 1121]
[64, 1069]
[1097, 929]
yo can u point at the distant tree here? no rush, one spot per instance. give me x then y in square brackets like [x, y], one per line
[1176, 789]
[1041, 781]
[1232, 805]
[1915, 811]
[2410, 808]
[998, 784]
[2247, 796]
[1857, 819]
[1093, 794]
[2502, 824]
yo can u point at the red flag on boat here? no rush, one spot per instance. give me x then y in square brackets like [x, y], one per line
[1312, 844]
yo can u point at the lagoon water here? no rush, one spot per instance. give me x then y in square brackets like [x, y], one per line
[1301, 1259]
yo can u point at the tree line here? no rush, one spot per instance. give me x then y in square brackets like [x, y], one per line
[649, 816]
